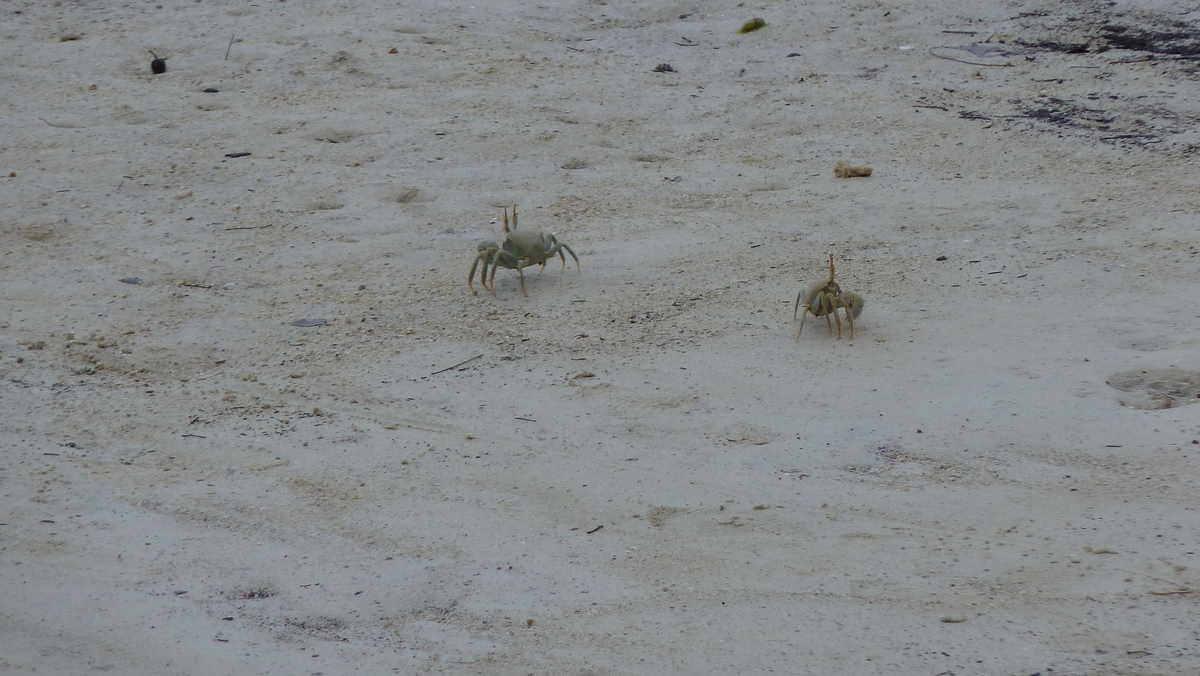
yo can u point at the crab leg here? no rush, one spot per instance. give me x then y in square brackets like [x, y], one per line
[509, 262]
[471, 276]
[491, 286]
[802, 324]
[495, 264]
[521, 274]
[483, 256]
[557, 248]
[824, 303]
[488, 254]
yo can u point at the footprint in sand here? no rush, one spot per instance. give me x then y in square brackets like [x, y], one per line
[1157, 388]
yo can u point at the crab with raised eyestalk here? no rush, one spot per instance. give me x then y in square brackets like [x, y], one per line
[521, 249]
[822, 299]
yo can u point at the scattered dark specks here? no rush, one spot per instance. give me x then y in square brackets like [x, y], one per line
[793, 54]
[132, 280]
[305, 323]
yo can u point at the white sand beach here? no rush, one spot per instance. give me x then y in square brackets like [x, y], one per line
[254, 421]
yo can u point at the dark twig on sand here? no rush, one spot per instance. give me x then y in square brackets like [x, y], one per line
[972, 63]
[456, 365]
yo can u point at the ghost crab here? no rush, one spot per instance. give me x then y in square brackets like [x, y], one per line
[826, 298]
[520, 250]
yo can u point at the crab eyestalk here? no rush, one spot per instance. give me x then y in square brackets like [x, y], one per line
[514, 221]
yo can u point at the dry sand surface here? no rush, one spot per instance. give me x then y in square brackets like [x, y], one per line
[638, 468]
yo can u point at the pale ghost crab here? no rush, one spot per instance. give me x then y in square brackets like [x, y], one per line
[521, 249]
[825, 298]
